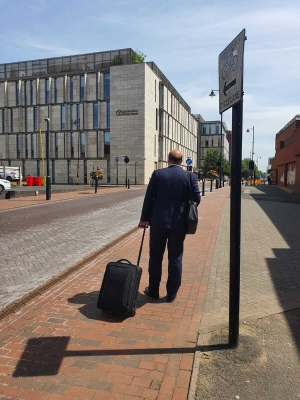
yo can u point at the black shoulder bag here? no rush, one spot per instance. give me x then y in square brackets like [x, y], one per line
[192, 212]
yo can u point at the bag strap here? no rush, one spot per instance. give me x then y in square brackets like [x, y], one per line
[189, 179]
[141, 247]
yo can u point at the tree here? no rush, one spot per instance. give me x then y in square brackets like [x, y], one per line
[211, 163]
[246, 172]
[138, 57]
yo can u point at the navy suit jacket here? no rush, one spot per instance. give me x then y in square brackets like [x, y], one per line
[167, 197]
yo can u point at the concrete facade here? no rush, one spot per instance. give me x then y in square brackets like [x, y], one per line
[101, 106]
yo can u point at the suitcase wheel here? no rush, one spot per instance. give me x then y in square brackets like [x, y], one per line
[132, 313]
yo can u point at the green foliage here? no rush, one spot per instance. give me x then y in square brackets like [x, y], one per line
[246, 172]
[117, 60]
[138, 57]
[211, 163]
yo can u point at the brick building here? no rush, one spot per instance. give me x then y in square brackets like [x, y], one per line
[286, 163]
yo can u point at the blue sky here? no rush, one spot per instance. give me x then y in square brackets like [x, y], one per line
[184, 38]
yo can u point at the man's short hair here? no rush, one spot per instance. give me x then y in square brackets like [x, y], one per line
[175, 160]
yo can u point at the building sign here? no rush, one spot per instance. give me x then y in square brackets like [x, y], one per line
[231, 67]
[126, 112]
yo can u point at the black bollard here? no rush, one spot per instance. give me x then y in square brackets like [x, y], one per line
[217, 184]
[211, 185]
[128, 186]
[96, 185]
[203, 187]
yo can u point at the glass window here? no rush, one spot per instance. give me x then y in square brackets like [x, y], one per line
[82, 144]
[71, 88]
[206, 143]
[204, 129]
[106, 144]
[25, 111]
[106, 83]
[81, 87]
[154, 145]
[18, 146]
[161, 95]
[25, 93]
[17, 94]
[209, 129]
[71, 115]
[47, 97]
[156, 120]
[56, 145]
[95, 115]
[219, 142]
[212, 142]
[78, 111]
[72, 144]
[31, 92]
[26, 146]
[32, 146]
[35, 118]
[161, 120]
[55, 90]
[108, 114]
[217, 129]
[3, 121]
[11, 120]
[63, 117]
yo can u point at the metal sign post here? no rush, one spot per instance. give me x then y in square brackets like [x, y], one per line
[231, 67]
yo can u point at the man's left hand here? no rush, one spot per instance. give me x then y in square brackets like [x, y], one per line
[143, 224]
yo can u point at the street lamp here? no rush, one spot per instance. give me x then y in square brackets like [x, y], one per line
[257, 162]
[212, 94]
[135, 165]
[48, 180]
[77, 123]
[248, 130]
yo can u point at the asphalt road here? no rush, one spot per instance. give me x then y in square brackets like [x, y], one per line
[39, 242]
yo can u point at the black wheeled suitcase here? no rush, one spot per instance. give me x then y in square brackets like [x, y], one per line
[120, 285]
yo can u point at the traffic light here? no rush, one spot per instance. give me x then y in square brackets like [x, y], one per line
[126, 160]
[251, 164]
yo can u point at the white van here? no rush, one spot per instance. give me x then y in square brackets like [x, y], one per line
[11, 173]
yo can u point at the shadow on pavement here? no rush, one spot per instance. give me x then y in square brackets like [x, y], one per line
[43, 356]
[90, 310]
[283, 210]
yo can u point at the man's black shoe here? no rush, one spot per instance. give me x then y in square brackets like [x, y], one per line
[170, 299]
[154, 296]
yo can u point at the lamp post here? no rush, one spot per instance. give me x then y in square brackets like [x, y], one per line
[77, 123]
[48, 180]
[212, 94]
[257, 162]
[248, 130]
[135, 165]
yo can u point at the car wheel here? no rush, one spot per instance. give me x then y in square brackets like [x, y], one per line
[1, 188]
[8, 178]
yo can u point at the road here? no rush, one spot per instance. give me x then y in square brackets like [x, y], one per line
[39, 242]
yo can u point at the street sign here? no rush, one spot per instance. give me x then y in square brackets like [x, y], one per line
[189, 161]
[231, 67]
[116, 159]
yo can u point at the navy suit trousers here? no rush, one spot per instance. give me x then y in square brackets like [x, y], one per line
[158, 239]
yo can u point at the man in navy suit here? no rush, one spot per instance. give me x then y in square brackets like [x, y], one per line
[164, 210]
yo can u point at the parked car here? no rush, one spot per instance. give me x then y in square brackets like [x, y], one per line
[11, 173]
[4, 185]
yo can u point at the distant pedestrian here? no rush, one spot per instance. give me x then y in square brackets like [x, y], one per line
[164, 210]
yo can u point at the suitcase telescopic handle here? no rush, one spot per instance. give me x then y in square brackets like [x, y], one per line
[141, 247]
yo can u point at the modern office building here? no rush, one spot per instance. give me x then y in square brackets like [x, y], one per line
[102, 106]
[286, 163]
[213, 135]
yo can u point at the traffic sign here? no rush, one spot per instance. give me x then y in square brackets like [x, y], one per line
[231, 67]
[189, 161]
[116, 159]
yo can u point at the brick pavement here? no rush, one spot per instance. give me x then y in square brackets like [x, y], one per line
[270, 277]
[60, 346]
[46, 238]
